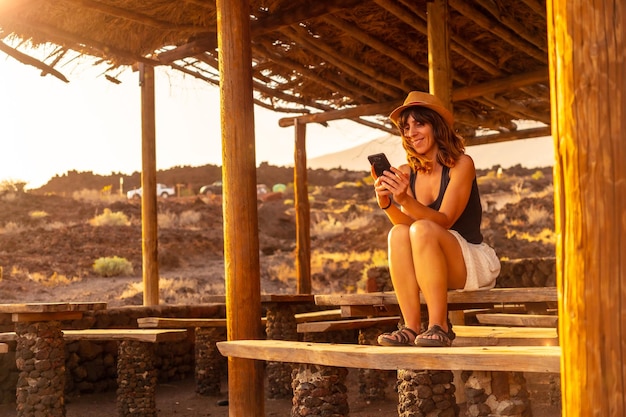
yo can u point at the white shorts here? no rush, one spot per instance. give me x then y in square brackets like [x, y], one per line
[481, 262]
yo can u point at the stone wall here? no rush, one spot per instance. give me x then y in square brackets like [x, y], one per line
[92, 366]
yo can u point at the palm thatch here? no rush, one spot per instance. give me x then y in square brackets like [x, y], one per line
[317, 56]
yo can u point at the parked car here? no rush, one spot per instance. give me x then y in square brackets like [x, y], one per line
[211, 189]
[162, 190]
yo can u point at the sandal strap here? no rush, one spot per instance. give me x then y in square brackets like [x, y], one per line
[400, 335]
[436, 332]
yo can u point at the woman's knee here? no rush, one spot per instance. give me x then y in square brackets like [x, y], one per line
[424, 230]
[399, 234]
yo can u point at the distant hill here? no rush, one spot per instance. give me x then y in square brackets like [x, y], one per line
[529, 153]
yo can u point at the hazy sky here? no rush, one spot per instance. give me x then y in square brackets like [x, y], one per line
[49, 127]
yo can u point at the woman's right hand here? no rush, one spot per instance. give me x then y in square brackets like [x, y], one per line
[394, 184]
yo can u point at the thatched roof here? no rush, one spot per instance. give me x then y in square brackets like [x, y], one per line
[316, 56]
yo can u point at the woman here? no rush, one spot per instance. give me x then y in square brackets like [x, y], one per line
[435, 243]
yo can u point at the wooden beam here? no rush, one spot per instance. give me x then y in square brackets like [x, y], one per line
[190, 49]
[364, 110]
[294, 14]
[241, 239]
[371, 77]
[303, 212]
[514, 25]
[378, 45]
[471, 12]
[588, 92]
[149, 226]
[79, 43]
[262, 25]
[439, 65]
[501, 85]
[28, 60]
[509, 136]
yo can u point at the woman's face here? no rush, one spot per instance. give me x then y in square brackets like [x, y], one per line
[419, 136]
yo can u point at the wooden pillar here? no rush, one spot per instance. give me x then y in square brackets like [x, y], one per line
[587, 51]
[149, 232]
[439, 65]
[303, 213]
[241, 239]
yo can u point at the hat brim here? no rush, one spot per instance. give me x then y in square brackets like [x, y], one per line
[442, 111]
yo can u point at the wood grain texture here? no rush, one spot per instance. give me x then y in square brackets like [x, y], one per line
[511, 358]
[587, 84]
[508, 319]
[139, 335]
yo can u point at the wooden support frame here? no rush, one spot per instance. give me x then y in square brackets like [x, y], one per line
[149, 226]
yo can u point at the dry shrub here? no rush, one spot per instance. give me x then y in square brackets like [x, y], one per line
[12, 227]
[38, 214]
[537, 215]
[110, 218]
[95, 196]
[112, 267]
[187, 219]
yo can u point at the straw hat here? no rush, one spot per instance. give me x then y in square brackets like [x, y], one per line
[419, 98]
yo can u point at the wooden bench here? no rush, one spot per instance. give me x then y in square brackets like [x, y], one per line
[410, 363]
[136, 374]
[511, 319]
[480, 358]
[385, 303]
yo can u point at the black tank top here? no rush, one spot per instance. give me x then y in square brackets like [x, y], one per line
[468, 224]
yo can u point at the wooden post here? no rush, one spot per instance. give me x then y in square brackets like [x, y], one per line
[587, 51]
[149, 232]
[303, 214]
[439, 66]
[241, 239]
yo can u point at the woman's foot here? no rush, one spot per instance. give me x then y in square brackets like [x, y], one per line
[404, 336]
[435, 336]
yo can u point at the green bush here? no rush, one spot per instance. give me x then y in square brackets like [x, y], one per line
[112, 267]
[109, 218]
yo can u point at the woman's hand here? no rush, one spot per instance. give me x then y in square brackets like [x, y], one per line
[394, 184]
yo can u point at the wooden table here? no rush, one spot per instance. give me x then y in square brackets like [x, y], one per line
[385, 303]
[40, 354]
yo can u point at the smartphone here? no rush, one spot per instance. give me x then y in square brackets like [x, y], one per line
[380, 162]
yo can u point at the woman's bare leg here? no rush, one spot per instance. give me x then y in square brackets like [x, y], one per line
[438, 260]
[401, 269]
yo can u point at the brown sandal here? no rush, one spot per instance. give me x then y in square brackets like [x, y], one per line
[404, 336]
[435, 336]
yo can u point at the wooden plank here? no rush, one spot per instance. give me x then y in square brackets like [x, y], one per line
[318, 316]
[61, 315]
[178, 323]
[326, 326]
[507, 319]
[500, 358]
[49, 307]
[493, 296]
[288, 298]
[4, 348]
[140, 335]
[7, 336]
[505, 336]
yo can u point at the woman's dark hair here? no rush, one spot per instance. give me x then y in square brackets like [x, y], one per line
[451, 146]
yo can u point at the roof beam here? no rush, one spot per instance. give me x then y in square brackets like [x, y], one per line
[29, 60]
[307, 10]
[266, 24]
[501, 85]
